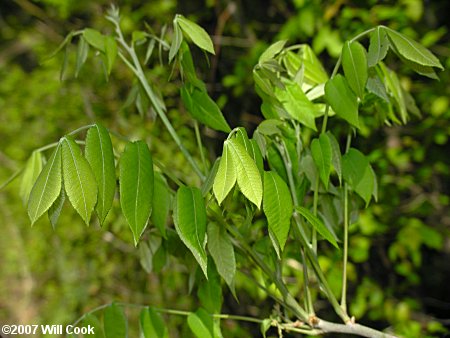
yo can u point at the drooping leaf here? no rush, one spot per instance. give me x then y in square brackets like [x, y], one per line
[161, 203]
[297, 104]
[342, 99]
[55, 209]
[201, 324]
[190, 222]
[47, 187]
[210, 178]
[378, 47]
[95, 39]
[222, 252]
[277, 205]
[318, 225]
[203, 108]
[226, 175]
[82, 54]
[152, 325]
[90, 320]
[177, 40]
[336, 157]
[412, 50]
[99, 154]
[136, 186]
[248, 177]
[110, 52]
[196, 33]
[115, 322]
[395, 90]
[145, 257]
[272, 51]
[375, 86]
[422, 70]
[79, 180]
[210, 291]
[33, 167]
[265, 326]
[321, 152]
[358, 173]
[354, 62]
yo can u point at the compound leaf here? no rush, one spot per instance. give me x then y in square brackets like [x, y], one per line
[354, 62]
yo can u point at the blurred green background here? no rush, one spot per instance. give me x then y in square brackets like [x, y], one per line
[399, 248]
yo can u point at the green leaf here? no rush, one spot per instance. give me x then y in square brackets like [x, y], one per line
[378, 47]
[64, 63]
[321, 152]
[95, 39]
[318, 225]
[265, 326]
[277, 206]
[336, 157]
[55, 209]
[342, 99]
[412, 50]
[190, 222]
[136, 186]
[47, 187]
[30, 175]
[354, 62]
[358, 174]
[161, 203]
[210, 291]
[99, 154]
[111, 52]
[226, 175]
[222, 252]
[296, 103]
[272, 51]
[196, 33]
[92, 321]
[211, 177]
[248, 177]
[115, 322]
[376, 87]
[152, 325]
[82, 54]
[203, 108]
[176, 42]
[201, 324]
[79, 181]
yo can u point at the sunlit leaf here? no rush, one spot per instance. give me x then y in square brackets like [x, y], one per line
[248, 177]
[321, 152]
[412, 50]
[79, 180]
[354, 62]
[47, 187]
[222, 252]
[342, 99]
[203, 108]
[190, 222]
[277, 206]
[99, 154]
[136, 186]
[95, 39]
[152, 325]
[196, 33]
[378, 47]
[115, 322]
[272, 51]
[297, 104]
[318, 225]
[161, 203]
[201, 324]
[33, 168]
[226, 175]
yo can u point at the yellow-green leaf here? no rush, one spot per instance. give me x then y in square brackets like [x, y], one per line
[79, 180]
[318, 225]
[342, 99]
[354, 62]
[47, 187]
[30, 175]
[226, 175]
[196, 33]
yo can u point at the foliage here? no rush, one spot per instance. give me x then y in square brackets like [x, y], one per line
[292, 99]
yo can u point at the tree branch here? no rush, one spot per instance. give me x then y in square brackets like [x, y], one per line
[350, 328]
